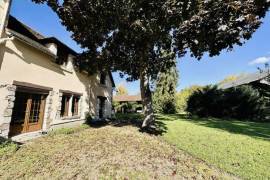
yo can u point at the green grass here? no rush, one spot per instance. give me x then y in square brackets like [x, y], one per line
[241, 148]
[121, 152]
[7, 148]
[67, 131]
[107, 152]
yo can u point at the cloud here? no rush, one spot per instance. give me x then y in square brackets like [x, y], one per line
[260, 60]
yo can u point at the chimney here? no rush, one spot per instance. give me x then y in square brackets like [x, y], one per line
[4, 13]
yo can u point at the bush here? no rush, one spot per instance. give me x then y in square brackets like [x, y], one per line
[7, 147]
[164, 103]
[88, 119]
[127, 107]
[243, 103]
[183, 96]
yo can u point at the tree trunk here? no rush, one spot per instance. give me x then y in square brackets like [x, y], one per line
[146, 94]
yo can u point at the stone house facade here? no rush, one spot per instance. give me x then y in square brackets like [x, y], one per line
[40, 88]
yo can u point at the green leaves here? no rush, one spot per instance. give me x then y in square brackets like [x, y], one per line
[164, 97]
[130, 36]
[242, 102]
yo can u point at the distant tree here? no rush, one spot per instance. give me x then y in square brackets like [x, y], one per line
[228, 79]
[121, 90]
[231, 78]
[130, 36]
[165, 91]
[183, 96]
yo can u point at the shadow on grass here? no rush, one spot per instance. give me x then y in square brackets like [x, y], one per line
[259, 130]
[135, 120]
[6, 141]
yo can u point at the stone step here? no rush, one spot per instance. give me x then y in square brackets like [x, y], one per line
[23, 138]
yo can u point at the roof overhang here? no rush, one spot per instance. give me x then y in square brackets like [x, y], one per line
[30, 42]
[255, 77]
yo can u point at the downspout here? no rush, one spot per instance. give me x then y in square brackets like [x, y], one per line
[4, 20]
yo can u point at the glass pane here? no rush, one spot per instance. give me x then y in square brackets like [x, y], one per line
[35, 109]
[64, 105]
[19, 110]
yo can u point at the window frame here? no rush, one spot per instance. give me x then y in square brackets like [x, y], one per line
[65, 105]
[75, 105]
[103, 79]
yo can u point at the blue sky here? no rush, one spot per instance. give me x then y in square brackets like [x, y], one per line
[208, 70]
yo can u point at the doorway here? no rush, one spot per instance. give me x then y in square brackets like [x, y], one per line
[101, 107]
[28, 112]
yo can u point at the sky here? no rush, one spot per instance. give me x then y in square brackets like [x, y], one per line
[209, 70]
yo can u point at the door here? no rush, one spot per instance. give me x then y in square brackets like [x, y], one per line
[28, 113]
[101, 107]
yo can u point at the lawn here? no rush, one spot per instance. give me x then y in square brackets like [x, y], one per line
[241, 148]
[186, 148]
[117, 151]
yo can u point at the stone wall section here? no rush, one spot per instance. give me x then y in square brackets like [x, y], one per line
[59, 105]
[8, 101]
[48, 111]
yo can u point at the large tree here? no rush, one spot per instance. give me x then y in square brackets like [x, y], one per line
[130, 35]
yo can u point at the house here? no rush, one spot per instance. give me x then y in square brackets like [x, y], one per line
[258, 79]
[125, 100]
[40, 88]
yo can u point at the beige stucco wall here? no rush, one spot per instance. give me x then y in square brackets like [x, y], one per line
[21, 62]
[2, 8]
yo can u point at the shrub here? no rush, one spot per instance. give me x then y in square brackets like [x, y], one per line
[243, 103]
[164, 103]
[7, 147]
[183, 96]
[203, 102]
[88, 119]
[127, 107]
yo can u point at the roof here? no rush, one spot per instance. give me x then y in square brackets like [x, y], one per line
[59, 44]
[31, 42]
[24, 30]
[246, 79]
[26, 34]
[127, 98]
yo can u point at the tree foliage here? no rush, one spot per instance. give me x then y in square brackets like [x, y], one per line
[183, 96]
[164, 96]
[228, 79]
[243, 103]
[121, 90]
[130, 36]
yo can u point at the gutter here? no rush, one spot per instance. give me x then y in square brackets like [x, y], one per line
[30, 42]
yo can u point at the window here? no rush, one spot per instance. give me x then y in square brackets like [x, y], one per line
[65, 105]
[70, 104]
[75, 105]
[103, 78]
